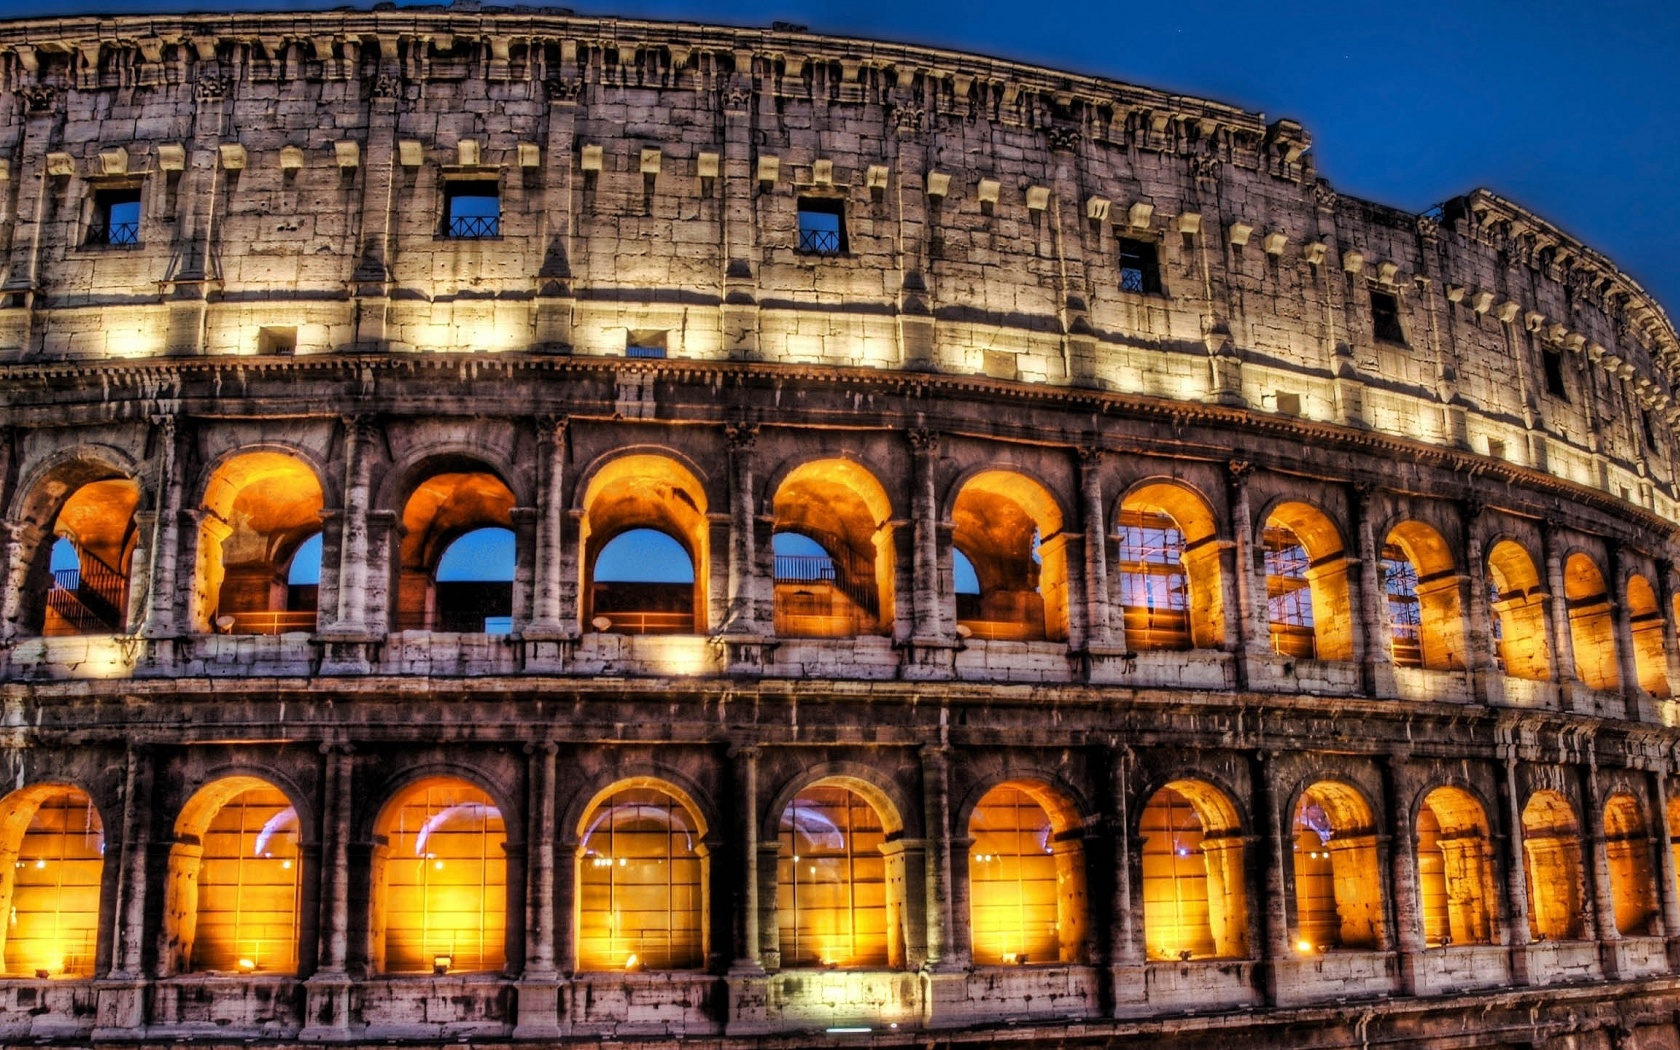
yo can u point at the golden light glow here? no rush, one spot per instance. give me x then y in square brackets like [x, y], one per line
[641, 885]
[444, 890]
[247, 885]
[1193, 888]
[1552, 864]
[1338, 889]
[832, 902]
[53, 910]
[1013, 885]
[1453, 856]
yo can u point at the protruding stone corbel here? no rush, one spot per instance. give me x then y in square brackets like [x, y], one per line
[706, 166]
[348, 154]
[291, 158]
[822, 172]
[1482, 302]
[1239, 233]
[1096, 208]
[769, 168]
[876, 178]
[650, 161]
[410, 153]
[1274, 242]
[1534, 320]
[1353, 262]
[987, 191]
[1387, 272]
[1507, 311]
[1140, 215]
[938, 183]
[113, 161]
[1038, 198]
[530, 155]
[60, 164]
[1315, 252]
[1190, 222]
[467, 153]
[591, 158]
[232, 156]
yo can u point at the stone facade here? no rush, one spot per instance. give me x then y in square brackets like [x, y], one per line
[1320, 642]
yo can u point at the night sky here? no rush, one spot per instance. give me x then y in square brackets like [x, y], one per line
[1571, 109]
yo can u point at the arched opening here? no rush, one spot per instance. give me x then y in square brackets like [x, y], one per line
[644, 540]
[1026, 877]
[1307, 599]
[1455, 870]
[1649, 659]
[1338, 887]
[1633, 891]
[52, 859]
[835, 902]
[475, 583]
[440, 872]
[234, 876]
[1592, 627]
[457, 556]
[833, 552]
[260, 508]
[1009, 528]
[641, 882]
[1195, 903]
[1519, 613]
[1552, 858]
[1169, 570]
[1425, 613]
[93, 539]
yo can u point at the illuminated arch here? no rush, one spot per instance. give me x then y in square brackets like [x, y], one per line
[458, 498]
[1425, 610]
[642, 879]
[261, 506]
[1650, 658]
[235, 878]
[842, 508]
[1456, 885]
[1170, 585]
[1195, 901]
[1010, 529]
[1307, 594]
[1592, 627]
[1519, 612]
[440, 880]
[1338, 884]
[658, 493]
[1627, 847]
[52, 846]
[837, 871]
[1026, 876]
[1552, 867]
[82, 501]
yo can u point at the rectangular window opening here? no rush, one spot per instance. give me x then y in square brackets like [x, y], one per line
[1646, 428]
[277, 340]
[1288, 404]
[822, 226]
[116, 218]
[1496, 448]
[472, 210]
[1385, 318]
[644, 343]
[1552, 361]
[1140, 267]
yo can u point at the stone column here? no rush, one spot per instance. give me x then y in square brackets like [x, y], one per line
[555, 299]
[159, 618]
[1597, 863]
[380, 204]
[121, 1003]
[936, 804]
[1627, 669]
[739, 309]
[1408, 938]
[1665, 607]
[1126, 956]
[908, 148]
[745, 611]
[747, 891]
[14, 578]
[1248, 630]
[1378, 657]
[1070, 217]
[1668, 878]
[539, 983]
[1562, 641]
[1271, 830]
[1516, 870]
[546, 576]
[351, 618]
[926, 599]
[1485, 680]
[1100, 629]
[327, 992]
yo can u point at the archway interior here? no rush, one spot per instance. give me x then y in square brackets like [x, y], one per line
[641, 877]
[1307, 596]
[1627, 847]
[477, 594]
[1170, 589]
[93, 542]
[832, 899]
[442, 873]
[1454, 869]
[1425, 609]
[1338, 888]
[1592, 623]
[235, 876]
[1009, 529]
[52, 848]
[832, 552]
[1026, 877]
[1194, 902]
[1552, 862]
[1650, 659]
[261, 507]
[655, 581]
[1519, 613]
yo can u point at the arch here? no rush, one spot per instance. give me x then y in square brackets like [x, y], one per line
[1309, 606]
[642, 879]
[1338, 885]
[1456, 885]
[1425, 606]
[260, 506]
[1592, 625]
[645, 491]
[442, 508]
[88, 593]
[52, 845]
[1650, 659]
[1627, 847]
[1026, 876]
[1195, 902]
[1552, 867]
[455, 457]
[839, 879]
[1519, 612]
[45, 484]
[1009, 527]
[234, 880]
[440, 880]
[848, 590]
[474, 582]
[1170, 574]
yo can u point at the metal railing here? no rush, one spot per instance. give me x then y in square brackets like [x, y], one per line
[272, 622]
[473, 227]
[648, 622]
[1003, 631]
[113, 234]
[87, 600]
[819, 242]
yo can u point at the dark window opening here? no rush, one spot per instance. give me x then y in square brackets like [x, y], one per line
[277, 340]
[472, 210]
[116, 218]
[1385, 318]
[1140, 267]
[1645, 427]
[1552, 362]
[644, 344]
[822, 226]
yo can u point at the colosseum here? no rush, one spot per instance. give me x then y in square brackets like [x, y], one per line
[830, 543]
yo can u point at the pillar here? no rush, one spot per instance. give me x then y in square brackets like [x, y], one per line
[1125, 959]
[1668, 878]
[351, 618]
[1516, 871]
[1597, 865]
[1408, 919]
[377, 215]
[747, 889]
[1626, 668]
[546, 571]
[555, 299]
[1671, 641]
[327, 992]
[539, 983]
[1100, 630]
[1377, 657]
[936, 803]
[1245, 584]
[1272, 832]
[14, 576]
[744, 613]
[159, 619]
[926, 600]
[1562, 641]
[120, 1003]
[1486, 682]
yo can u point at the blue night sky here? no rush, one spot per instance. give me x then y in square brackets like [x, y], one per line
[1571, 109]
